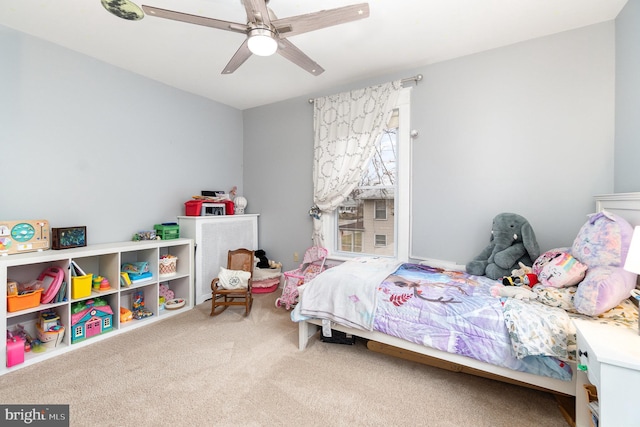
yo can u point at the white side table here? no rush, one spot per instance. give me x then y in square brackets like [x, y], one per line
[611, 357]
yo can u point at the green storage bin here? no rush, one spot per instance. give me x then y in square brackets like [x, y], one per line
[167, 231]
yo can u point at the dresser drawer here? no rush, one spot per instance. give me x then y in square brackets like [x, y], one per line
[587, 357]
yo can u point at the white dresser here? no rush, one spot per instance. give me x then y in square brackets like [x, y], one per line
[214, 236]
[610, 357]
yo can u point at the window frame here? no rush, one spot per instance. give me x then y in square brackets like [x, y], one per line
[402, 199]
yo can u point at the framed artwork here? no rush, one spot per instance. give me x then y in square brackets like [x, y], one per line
[69, 237]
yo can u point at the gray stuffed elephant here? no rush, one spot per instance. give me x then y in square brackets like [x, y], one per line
[512, 241]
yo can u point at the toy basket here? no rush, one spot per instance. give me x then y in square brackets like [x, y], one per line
[168, 266]
[81, 286]
[22, 302]
[167, 231]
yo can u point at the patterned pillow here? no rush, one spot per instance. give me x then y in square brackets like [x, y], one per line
[556, 297]
[233, 279]
[558, 269]
[602, 244]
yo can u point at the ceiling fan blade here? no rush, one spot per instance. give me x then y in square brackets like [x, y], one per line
[195, 19]
[299, 24]
[241, 55]
[257, 11]
[295, 55]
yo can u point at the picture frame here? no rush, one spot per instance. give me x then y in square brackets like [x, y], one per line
[68, 237]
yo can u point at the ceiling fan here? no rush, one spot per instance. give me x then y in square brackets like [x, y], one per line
[266, 34]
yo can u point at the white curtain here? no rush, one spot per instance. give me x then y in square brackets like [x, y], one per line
[346, 127]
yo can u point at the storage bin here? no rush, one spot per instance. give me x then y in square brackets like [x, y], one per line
[168, 266]
[193, 208]
[167, 232]
[24, 301]
[81, 286]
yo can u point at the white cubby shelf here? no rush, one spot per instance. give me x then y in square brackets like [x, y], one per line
[104, 260]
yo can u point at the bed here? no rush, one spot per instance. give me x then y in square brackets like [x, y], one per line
[450, 319]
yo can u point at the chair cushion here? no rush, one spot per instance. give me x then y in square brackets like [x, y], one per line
[233, 279]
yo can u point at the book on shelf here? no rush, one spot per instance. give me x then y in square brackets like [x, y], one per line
[60, 296]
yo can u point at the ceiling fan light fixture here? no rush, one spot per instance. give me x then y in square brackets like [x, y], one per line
[261, 42]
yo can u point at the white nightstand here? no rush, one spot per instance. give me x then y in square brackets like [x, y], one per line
[611, 356]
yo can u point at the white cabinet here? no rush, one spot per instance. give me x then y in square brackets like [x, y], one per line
[214, 236]
[103, 260]
[609, 357]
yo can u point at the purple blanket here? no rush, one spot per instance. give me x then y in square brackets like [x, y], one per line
[453, 312]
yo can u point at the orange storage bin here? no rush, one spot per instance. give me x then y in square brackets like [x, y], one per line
[22, 302]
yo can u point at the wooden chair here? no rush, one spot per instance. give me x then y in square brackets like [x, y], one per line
[239, 259]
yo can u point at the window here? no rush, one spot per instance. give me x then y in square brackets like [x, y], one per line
[380, 209]
[381, 240]
[366, 222]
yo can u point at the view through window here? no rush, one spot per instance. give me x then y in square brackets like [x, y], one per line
[366, 219]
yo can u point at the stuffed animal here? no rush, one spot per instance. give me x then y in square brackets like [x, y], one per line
[526, 279]
[512, 242]
[274, 264]
[522, 270]
[262, 257]
[517, 292]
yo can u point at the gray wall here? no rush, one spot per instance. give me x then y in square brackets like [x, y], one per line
[526, 128]
[627, 147]
[85, 143]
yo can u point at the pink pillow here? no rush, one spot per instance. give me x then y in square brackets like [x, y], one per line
[558, 269]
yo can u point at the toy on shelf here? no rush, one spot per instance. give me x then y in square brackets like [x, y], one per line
[101, 284]
[176, 303]
[139, 310]
[136, 271]
[166, 292]
[15, 350]
[125, 315]
[50, 330]
[89, 318]
[30, 343]
[125, 281]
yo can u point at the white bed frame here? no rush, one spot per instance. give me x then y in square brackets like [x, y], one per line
[627, 205]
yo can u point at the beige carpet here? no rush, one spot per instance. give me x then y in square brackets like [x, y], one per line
[196, 370]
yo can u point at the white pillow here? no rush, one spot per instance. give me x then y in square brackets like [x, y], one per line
[233, 279]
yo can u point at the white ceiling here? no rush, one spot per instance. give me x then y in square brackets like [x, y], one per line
[398, 35]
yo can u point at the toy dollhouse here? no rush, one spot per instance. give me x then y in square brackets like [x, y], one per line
[89, 318]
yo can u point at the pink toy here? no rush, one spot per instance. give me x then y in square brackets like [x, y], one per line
[167, 293]
[51, 278]
[312, 265]
[15, 350]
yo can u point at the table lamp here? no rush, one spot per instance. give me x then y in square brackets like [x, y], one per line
[632, 262]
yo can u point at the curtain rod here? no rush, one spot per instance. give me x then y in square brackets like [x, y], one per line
[417, 78]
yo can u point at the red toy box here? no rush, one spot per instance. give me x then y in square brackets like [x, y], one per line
[15, 351]
[193, 207]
